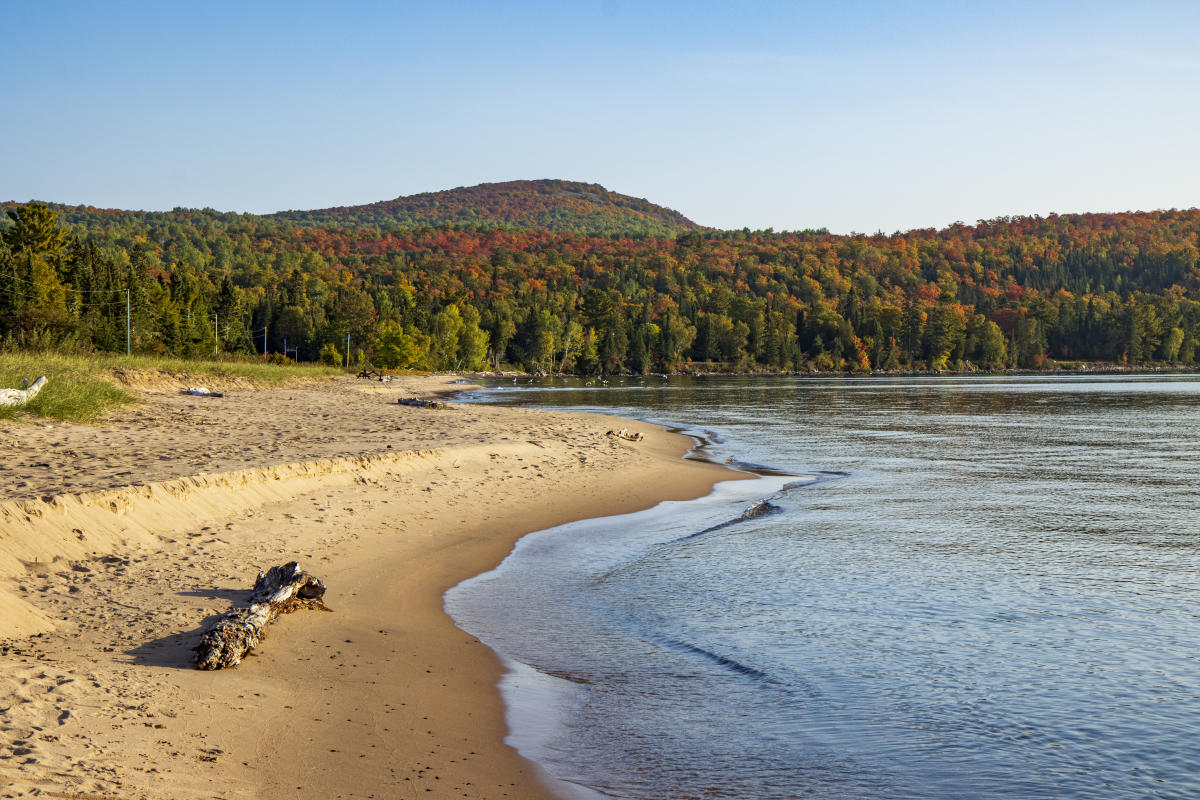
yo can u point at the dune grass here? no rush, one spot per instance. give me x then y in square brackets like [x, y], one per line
[256, 370]
[82, 388]
[75, 391]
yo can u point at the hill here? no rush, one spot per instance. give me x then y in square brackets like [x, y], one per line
[553, 205]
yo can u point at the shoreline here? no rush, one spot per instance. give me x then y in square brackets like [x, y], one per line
[384, 697]
[1090, 368]
[529, 609]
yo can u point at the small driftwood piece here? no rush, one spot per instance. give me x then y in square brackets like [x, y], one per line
[201, 391]
[280, 590]
[419, 403]
[628, 435]
[19, 397]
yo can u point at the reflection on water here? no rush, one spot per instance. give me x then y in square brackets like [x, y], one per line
[997, 600]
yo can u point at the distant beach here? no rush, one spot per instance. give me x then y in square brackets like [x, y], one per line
[120, 541]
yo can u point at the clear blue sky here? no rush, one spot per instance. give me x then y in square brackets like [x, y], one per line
[853, 115]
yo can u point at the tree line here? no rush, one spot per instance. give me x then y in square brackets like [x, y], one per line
[1011, 292]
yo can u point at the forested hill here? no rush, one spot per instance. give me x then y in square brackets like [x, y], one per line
[553, 205]
[1024, 292]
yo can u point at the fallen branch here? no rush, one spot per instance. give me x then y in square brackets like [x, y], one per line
[280, 590]
[419, 403]
[627, 435]
[375, 374]
[19, 397]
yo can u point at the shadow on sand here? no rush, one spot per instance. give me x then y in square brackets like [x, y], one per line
[177, 650]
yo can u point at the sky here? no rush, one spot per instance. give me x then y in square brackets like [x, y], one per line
[855, 116]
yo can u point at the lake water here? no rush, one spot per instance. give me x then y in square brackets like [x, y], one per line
[973, 587]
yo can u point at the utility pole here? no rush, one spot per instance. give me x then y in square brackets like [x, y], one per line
[126, 322]
[347, 351]
[264, 338]
[215, 340]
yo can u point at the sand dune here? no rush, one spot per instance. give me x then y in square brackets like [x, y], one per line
[119, 542]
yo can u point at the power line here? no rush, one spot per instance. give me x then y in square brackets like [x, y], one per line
[105, 304]
[69, 287]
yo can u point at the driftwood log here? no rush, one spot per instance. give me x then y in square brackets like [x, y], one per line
[280, 590]
[419, 403]
[19, 397]
[627, 435]
[374, 374]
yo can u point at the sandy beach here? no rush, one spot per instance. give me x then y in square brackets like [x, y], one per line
[120, 542]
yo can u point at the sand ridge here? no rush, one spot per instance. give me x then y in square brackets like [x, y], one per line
[93, 524]
[390, 505]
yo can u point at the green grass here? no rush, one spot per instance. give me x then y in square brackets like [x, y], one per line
[83, 389]
[75, 391]
[257, 370]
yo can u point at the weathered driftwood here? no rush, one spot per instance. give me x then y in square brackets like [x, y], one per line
[627, 435]
[279, 591]
[375, 374]
[419, 403]
[760, 509]
[19, 397]
[201, 391]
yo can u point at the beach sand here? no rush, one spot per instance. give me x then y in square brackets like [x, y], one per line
[121, 542]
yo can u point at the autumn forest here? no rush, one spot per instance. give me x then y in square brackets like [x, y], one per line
[552, 276]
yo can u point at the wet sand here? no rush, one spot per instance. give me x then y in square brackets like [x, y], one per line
[119, 542]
